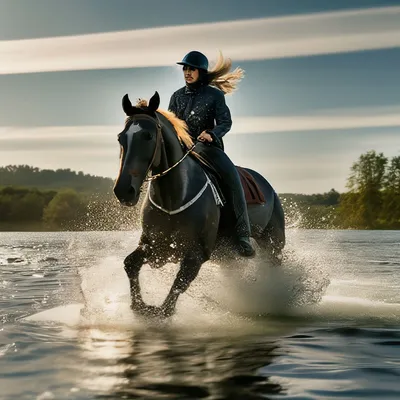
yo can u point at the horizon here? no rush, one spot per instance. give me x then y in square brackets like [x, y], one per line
[104, 177]
[320, 86]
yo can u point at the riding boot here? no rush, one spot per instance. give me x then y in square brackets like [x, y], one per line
[234, 192]
[242, 226]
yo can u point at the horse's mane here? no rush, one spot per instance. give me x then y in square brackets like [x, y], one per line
[179, 125]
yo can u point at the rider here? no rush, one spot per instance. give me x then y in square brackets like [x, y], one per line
[201, 102]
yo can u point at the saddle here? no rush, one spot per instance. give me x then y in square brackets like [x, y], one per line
[252, 192]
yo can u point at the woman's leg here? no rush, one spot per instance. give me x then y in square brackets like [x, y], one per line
[233, 191]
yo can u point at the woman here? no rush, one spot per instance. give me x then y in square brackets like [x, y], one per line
[201, 104]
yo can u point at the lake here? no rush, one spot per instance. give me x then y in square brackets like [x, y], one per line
[324, 325]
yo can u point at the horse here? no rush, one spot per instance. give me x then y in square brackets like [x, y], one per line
[182, 216]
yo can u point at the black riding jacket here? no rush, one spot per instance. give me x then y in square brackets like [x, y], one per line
[203, 108]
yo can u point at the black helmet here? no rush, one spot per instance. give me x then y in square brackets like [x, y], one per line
[195, 59]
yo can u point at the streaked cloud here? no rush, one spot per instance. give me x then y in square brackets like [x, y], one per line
[330, 120]
[281, 155]
[254, 39]
[334, 119]
[62, 133]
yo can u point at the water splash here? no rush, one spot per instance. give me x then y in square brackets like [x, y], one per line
[219, 294]
[312, 282]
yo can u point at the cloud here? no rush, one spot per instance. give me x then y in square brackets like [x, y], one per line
[50, 133]
[333, 119]
[290, 163]
[253, 39]
[330, 120]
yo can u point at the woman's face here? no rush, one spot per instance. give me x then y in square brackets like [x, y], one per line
[191, 74]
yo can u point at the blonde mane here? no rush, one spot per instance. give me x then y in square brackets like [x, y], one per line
[179, 125]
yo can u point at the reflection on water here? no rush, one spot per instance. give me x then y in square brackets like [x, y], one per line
[155, 363]
[331, 329]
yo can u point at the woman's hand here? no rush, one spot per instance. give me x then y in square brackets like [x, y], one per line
[204, 137]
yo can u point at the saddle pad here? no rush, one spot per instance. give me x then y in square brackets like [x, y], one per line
[252, 192]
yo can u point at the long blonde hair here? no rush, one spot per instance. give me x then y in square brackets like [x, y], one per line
[221, 77]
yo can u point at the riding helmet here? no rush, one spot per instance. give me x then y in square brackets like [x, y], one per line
[195, 59]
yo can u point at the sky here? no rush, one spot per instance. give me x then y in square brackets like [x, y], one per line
[321, 82]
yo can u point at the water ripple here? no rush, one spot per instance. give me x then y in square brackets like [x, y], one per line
[207, 351]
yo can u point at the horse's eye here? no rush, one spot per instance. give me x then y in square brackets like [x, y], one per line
[147, 135]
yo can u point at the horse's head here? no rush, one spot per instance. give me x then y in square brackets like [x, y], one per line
[140, 148]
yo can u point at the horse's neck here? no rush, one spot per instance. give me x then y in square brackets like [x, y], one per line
[180, 184]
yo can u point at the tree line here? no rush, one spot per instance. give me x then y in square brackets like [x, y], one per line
[36, 199]
[32, 209]
[28, 176]
[372, 200]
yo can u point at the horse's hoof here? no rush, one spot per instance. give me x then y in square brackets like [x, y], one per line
[245, 248]
[147, 311]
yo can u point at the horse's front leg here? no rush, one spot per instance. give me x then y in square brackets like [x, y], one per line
[188, 271]
[132, 265]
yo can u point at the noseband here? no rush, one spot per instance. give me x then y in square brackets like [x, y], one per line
[159, 141]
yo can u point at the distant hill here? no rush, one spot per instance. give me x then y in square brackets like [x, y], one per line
[28, 176]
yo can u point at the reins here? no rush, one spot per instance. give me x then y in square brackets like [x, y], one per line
[154, 177]
[158, 141]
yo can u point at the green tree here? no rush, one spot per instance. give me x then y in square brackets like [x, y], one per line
[25, 175]
[368, 173]
[392, 176]
[6, 205]
[366, 182]
[350, 213]
[65, 210]
[29, 207]
[390, 214]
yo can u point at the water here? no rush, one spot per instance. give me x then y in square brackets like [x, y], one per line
[325, 325]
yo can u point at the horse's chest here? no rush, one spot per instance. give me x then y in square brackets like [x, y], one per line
[161, 252]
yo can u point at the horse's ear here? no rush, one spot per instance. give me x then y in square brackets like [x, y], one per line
[127, 105]
[128, 108]
[154, 102]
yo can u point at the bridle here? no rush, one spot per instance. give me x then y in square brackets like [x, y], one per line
[159, 141]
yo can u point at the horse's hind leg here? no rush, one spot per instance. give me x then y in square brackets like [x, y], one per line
[188, 271]
[274, 233]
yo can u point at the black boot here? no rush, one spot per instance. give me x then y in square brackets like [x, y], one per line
[242, 226]
[232, 188]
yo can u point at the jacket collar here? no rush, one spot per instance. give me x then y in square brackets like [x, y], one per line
[194, 88]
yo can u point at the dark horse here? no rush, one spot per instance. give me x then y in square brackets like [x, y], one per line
[181, 218]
